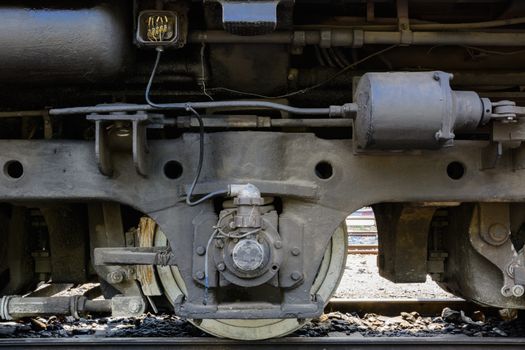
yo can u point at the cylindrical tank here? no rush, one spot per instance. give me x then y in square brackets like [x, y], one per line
[414, 110]
[50, 44]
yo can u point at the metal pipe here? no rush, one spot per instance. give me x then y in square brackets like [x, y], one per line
[472, 25]
[415, 24]
[14, 307]
[312, 123]
[334, 111]
[18, 114]
[98, 306]
[358, 38]
[447, 38]
[256, 122]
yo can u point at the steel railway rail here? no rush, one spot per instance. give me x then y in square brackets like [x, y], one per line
[381, 306]
[279, 344]
[393, 307]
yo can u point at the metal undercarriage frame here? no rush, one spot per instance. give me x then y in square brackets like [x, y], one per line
[284, 164]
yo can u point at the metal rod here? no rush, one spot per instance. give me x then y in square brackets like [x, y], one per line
[132, 256]
[15, 114]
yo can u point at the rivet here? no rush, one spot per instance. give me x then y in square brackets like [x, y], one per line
[296, 251]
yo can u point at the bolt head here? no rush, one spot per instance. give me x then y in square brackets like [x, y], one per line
[506, 291]
[436, 76]
[278, 244]
[296, 275]
[200, 250]
[498, 233]
[115, 277]
[296, 251]
[221, 267]
[199, 275]
[134, 306]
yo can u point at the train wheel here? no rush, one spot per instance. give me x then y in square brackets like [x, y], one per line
[325, 284]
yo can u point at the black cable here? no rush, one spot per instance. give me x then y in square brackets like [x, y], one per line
[151, 77]
[188, 108]
[199, 166]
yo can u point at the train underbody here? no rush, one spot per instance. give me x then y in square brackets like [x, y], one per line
[203, 156]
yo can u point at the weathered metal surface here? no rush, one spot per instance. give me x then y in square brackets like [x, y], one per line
[489, 234]
[67, 230]
[315, 180]
[403, 236]
[412, 110]
[77, 43]
[105, 230]
[468, 273]
[281, 162]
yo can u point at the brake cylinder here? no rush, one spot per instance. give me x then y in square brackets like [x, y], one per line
[414, 110]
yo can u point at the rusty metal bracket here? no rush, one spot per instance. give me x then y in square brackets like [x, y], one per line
[140, 121]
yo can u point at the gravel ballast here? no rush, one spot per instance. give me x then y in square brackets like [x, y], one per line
[361, 281]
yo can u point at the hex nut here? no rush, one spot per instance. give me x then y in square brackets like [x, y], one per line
[518, 290]
[115, 276]
[296, 275]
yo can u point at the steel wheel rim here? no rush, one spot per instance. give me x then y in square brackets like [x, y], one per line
[325, 284]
